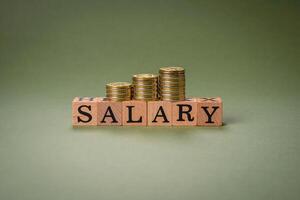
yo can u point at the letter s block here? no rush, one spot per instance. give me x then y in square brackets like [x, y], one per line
[109, 113]
[134, 113]
[84, 111]
[210, 111]
[184, 113]
[159, 113]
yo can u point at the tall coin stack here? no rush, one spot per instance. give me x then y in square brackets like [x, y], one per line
[172, 83]
[145, 87]
[118, 91]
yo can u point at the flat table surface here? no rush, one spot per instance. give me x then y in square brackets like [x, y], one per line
[247, 52]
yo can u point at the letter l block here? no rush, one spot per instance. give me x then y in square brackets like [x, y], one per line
[134, 113]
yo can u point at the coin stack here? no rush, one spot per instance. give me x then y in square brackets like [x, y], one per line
[145, 87]
[172, 83]
[118, 91]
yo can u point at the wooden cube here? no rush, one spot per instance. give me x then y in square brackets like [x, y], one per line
[159, 113]
[210, 111]
[109, 113]
[84, 111]
[184, 113]
[134, 113]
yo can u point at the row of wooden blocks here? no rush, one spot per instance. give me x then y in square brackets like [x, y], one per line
[97, 111]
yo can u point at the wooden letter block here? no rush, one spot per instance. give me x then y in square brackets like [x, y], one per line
[109, 113]
[184, 113]
[134, 113]
[84, 111]
[159, 113]
[210, 111]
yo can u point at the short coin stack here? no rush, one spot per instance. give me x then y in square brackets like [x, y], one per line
[145, 87]
[172, 84]
[118, 91]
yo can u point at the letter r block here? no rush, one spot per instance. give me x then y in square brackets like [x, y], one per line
[210, 111]
[84, 111]
[109, 113]
[134, 113]
[159, 113]
[184, 113]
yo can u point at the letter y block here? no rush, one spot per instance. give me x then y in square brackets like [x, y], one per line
[210, 111]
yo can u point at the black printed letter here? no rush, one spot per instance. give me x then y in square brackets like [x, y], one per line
[161, 115]
[109, 113]
[187, 112]
[130, 120]
[208, 114]
[84, 113]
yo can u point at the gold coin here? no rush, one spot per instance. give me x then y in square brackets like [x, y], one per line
[173, 74]
[145, 86]
[142, 83]
[119, 84]
[141, 93]
[171, 86]
[172, 94]
[146, 99]
[170, 81]
[163, 79]
[119, 91]
[171, 70]
[144, 76]
[145, 94]
[171, 91]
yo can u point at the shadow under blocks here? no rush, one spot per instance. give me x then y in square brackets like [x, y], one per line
[98, 111]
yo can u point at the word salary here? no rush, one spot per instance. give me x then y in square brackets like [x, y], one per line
[98, 111]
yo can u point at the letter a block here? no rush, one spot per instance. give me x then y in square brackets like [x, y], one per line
[109, 113]
[159, 113]
[84, 111]
[134, 113]
[184, 113]
[210, 111]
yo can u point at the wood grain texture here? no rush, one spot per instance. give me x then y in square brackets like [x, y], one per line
[134, 113]
[84, 111]
[159, 113]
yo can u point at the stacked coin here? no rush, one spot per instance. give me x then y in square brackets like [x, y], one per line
[172, 83]
[145, 87]
[118, 91]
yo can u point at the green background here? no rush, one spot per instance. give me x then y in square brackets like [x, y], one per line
[247, 52]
